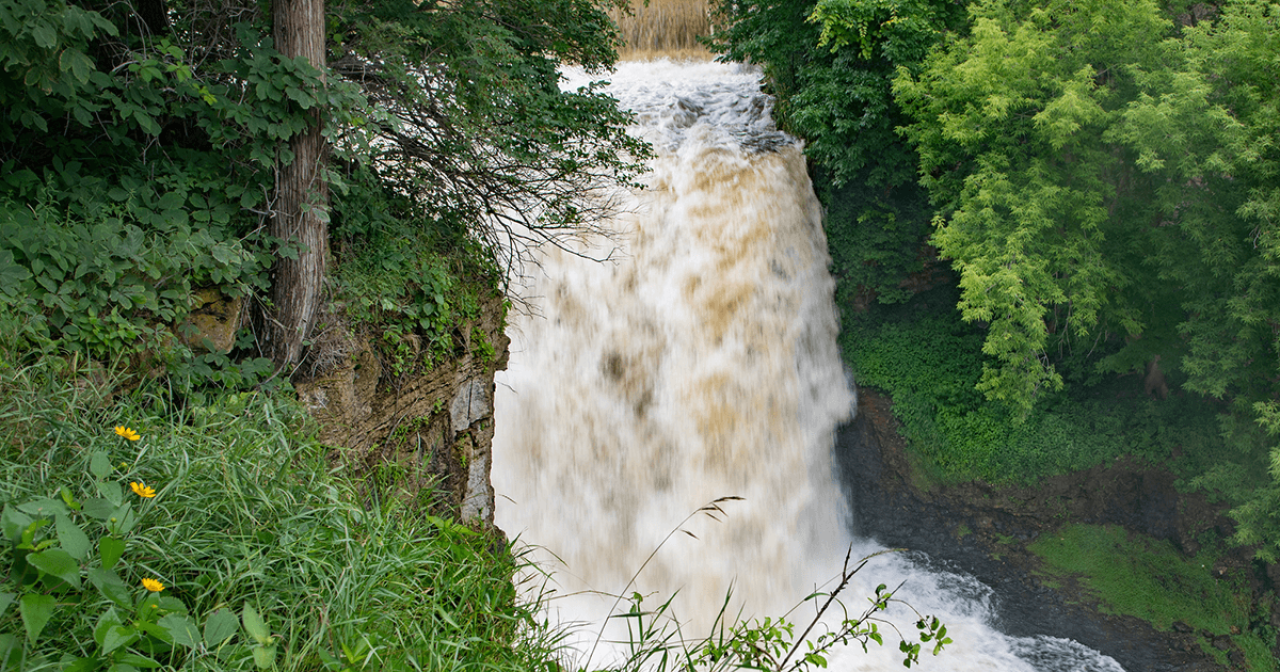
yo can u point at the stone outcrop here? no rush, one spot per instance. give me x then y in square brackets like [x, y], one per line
[424, 436]
[211, 326]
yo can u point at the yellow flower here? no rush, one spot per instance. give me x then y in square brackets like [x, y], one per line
[141, 490]
[152, 585]
[127, 433]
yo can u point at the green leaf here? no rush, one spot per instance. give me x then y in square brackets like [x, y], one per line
[99, 508]
[172, 604]
[85, 664]
[110, 549]
[171, 201]
[111, 586]
[160, 632]
[10, 653]
[36, 611]
[146, 123]
[68, 498]
[136, 661]
[77, 63]
[6, 599]
[44, 36]
[43, 507]
[108, 619]
[254, 625]
[264, 656]
[118, 636]
[57, 562]
[219, 627]
[111, 492]
[100, 463]
[184, 632]
[13, 522]
[74, 541]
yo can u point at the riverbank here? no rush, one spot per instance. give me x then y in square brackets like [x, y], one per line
[1001, 535]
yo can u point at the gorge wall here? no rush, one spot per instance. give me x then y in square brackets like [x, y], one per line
[424, 435]
[985, 530]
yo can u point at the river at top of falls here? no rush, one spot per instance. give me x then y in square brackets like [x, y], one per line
[701, 363]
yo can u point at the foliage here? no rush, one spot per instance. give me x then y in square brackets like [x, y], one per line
[924, 355]
[137, 174]
[476, 134]
[236, 546]
[1153, 581]
[395, 281]
[140, 159]
[655, 643]
[1041, 165]
[1102, 175]
[247, 519]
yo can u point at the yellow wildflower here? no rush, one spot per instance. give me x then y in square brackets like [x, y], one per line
[144, 491]
[152, 585]
[127, 433]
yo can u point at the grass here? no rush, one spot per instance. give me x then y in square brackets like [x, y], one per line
[247, 513]
[1139, 576]
[664, 28]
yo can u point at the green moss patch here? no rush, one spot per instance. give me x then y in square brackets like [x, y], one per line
[1143, 577]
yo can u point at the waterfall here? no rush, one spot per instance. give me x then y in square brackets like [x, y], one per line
[700, 361]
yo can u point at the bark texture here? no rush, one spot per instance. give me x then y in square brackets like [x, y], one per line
[296, 283]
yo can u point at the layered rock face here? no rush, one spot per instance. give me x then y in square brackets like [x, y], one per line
[425, 436]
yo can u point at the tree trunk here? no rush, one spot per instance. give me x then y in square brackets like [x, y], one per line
[296, 283]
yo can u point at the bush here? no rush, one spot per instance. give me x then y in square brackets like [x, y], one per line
[929, 361]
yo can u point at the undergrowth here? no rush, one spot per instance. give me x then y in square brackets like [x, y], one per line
[929, 361]
[146, 530]
[265, 557]
[1150, 579]
[406, 284]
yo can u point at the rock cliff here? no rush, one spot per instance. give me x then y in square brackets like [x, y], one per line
[424, 436]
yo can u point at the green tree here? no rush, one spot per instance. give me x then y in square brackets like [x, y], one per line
[141, 142]
[1104, 180]
[1035, 151]
[1234, 336]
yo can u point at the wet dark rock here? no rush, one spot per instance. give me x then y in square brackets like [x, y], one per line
[984, 530]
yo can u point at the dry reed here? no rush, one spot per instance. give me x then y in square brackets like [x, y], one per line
[664, 28]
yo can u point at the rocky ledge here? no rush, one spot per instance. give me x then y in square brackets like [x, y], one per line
[984, 530]
[425, 435]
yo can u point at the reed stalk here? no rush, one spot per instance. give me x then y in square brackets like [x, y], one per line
[664, 28]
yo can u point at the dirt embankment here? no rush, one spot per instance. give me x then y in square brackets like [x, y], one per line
[985, 530]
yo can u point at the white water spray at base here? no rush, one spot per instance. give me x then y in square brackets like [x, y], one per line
[700, 363]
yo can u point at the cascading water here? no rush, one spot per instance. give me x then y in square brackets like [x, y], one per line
[701, 362]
